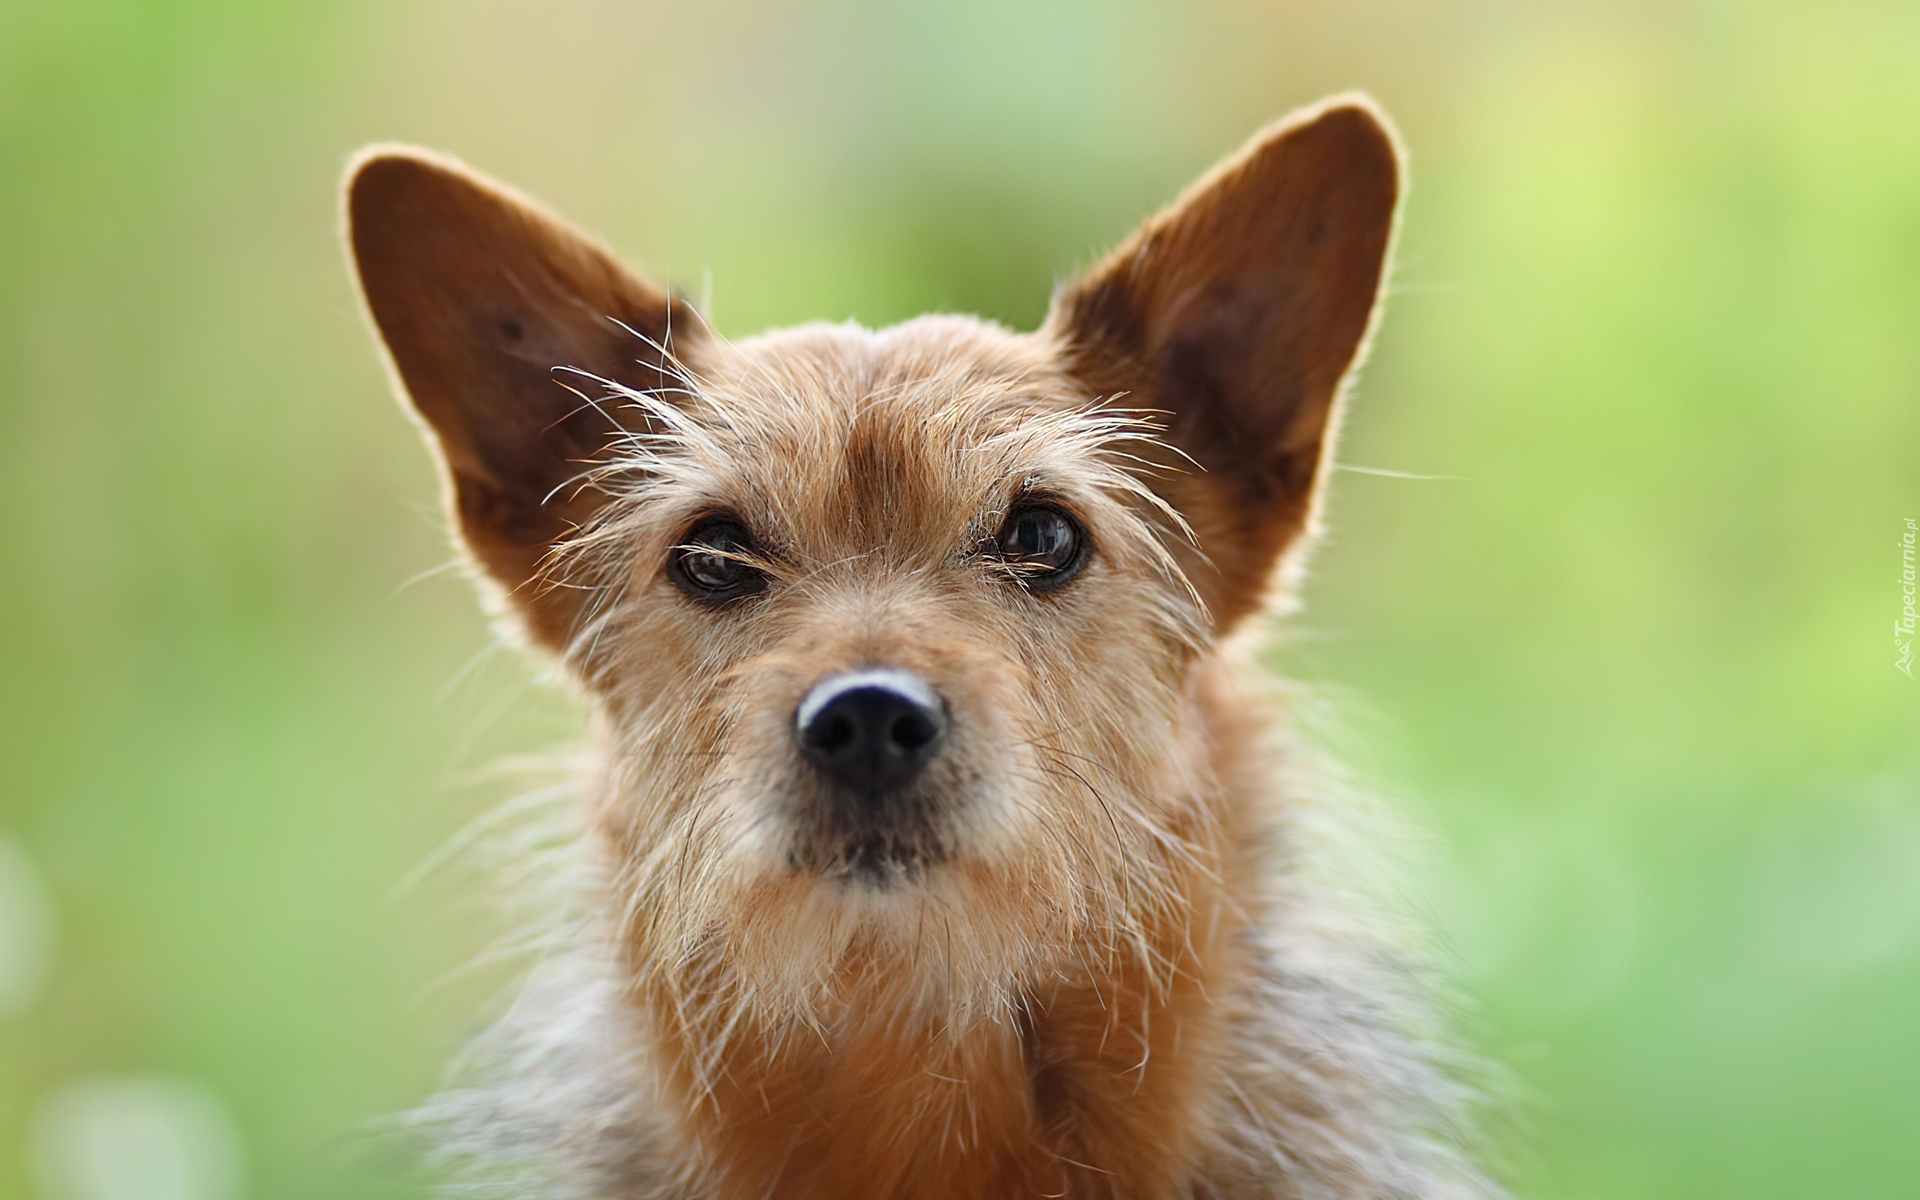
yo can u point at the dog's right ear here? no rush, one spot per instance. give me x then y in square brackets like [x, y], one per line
[490, 307]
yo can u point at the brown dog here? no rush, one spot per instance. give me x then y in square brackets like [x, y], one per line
[938, 845]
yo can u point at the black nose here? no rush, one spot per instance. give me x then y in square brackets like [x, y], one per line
[870, 730]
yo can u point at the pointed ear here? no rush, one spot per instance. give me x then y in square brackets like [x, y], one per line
[490, 306]
[1238, 312]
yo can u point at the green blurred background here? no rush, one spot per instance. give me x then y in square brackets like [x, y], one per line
[1656, 320]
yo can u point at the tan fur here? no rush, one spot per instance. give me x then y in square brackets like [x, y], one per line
[1093, 967]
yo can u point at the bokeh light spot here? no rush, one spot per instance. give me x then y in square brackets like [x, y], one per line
[137, 1138]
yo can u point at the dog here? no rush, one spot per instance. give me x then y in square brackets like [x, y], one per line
[939, 838]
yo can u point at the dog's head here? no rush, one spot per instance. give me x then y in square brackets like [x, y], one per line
[893, 633]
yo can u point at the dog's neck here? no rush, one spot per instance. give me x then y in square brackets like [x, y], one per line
[1098, 1065]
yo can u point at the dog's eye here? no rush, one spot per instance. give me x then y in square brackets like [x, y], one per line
[1043, 544]
[709, 565]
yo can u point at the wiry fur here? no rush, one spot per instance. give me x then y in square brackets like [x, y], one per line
[1093, 962]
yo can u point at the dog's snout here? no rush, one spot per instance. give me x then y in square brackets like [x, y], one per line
[870, 731]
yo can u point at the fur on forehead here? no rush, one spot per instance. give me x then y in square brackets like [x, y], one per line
[902, 447]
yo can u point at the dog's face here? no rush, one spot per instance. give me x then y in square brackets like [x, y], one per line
[892, 634]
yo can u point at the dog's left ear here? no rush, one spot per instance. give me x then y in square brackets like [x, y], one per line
[1237, 313]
